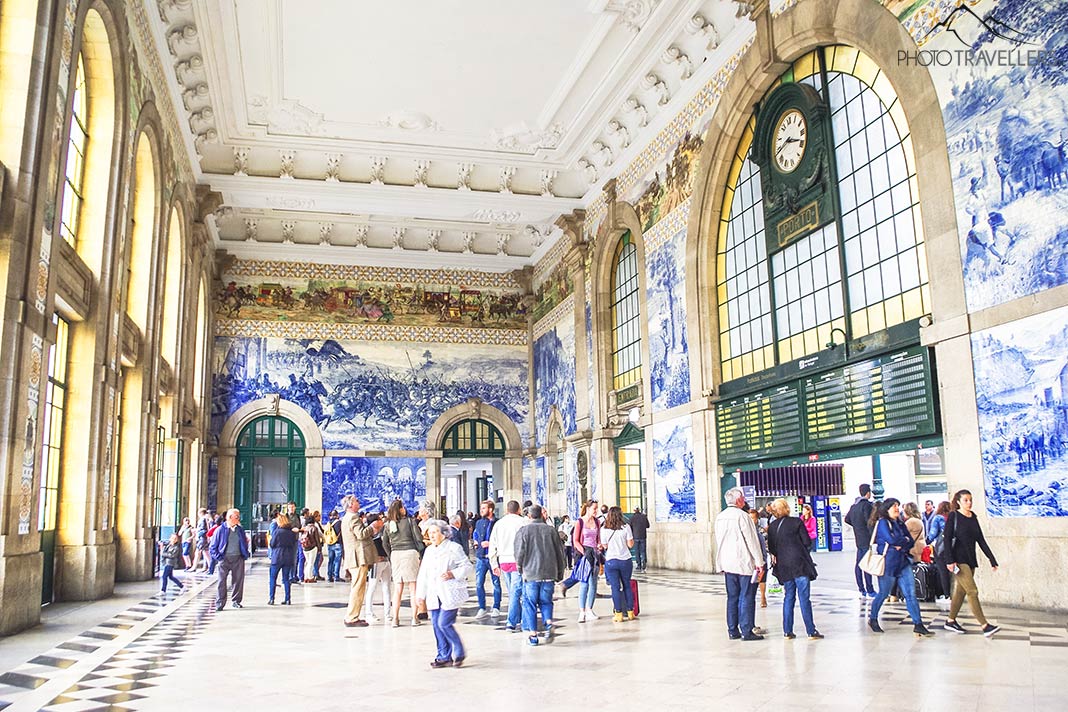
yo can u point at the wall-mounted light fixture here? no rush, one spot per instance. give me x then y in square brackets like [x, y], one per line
[831, 345]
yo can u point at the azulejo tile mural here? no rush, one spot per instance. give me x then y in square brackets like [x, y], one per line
[669, 375]
[1021, 387]
[673, 482]
[1007, 132]
[554, 371]
[368, 395]
[539, 480]
[671, 184]
[376, 481]
[553, 289]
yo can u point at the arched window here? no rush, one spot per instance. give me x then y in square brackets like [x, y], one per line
[626, 322]
[861, 274]
[139, 260]
[473, 437]
[201, 355]
[170, 336]
[77, 143]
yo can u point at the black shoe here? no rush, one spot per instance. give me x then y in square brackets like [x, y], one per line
[458, 662]
[270, 601]
[874, 625]
[734, 636]
[789, 636]
[989, 629]
[423, 616]
[815, 635]
[751, 636]
[437, 663]
[955, 627]
[237, 605]
[921, 631]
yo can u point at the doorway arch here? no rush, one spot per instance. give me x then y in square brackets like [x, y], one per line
[270, 469]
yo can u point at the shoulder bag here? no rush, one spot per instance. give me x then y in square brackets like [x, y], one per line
[873, 563]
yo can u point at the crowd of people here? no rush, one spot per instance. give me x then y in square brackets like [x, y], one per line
[538, 559]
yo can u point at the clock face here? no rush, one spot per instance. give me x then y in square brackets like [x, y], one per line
[791, 138]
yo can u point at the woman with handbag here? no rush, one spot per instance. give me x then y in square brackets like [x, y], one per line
[402, 542]
[616, 540]
[888, 558]
[442, 588]
[962, 533]
[938, 554]
[791, 557]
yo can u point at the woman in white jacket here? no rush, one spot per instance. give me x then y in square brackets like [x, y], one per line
[442, 585]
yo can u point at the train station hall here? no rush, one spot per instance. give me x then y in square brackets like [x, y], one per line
[570, 352]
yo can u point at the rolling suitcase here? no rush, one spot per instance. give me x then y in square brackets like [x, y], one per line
[926, 582]
[634, 594]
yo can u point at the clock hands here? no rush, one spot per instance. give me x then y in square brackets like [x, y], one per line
[785, 143]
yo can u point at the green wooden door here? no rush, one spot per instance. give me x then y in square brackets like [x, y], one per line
[243, 486]
[297, 479]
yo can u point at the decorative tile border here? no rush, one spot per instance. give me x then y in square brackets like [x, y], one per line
[924, 19]
[550, 320]
[403, 275]
[668, 226]
[549, 261]
[370, 332]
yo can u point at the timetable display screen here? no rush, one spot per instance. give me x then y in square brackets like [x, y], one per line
[760, 425]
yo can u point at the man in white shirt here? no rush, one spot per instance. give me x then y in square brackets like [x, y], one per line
[502, 558]
[740, 559]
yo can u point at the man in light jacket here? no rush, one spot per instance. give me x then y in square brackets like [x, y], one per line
[502, 558]
[360, 553]
[740, 559]
[539, 554]
[229, 547]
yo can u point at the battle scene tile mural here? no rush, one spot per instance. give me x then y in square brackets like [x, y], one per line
[368, 395]
[1006, 120]
[554, 374]
[1021, 390]
[669, 373]
[376, 481]
[673, 482]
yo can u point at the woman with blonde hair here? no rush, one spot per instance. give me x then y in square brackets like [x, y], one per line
[442, 588]
[791, 557]
[402, 543]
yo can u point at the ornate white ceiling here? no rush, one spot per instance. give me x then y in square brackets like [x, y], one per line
[421, 132]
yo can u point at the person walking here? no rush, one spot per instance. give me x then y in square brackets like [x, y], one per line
[962, 533]
[381, 573]
[229, 547]
[200, 555]
[442, 587]
[858, 517]
[539, 554]
[892, 540]
[811, 527]
[359, 555]
[791, 557]
[502, 557]
[481, 537]
[565, 528]
[936, 540]
[929, 513]
[461, 534]
[639, 527]
[762, 535]
[587, 541]
[170, 556]
[187, 533]
[332, 540]
[403, 543]
[616, 541]
[283, 553]
[740, 559]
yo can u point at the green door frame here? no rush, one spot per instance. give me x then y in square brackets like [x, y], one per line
[630, 435]
[263, 437]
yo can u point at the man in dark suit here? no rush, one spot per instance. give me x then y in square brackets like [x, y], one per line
[857, 517]
[229, 547]
[639, 526]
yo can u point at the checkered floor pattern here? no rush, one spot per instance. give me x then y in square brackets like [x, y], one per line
[1015, 624]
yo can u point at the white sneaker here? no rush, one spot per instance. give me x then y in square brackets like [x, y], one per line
[582, 616]
[590, 615]
[372, 619]
[495, 613]
[481, 614]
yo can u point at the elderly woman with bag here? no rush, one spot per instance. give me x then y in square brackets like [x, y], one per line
[791, 556]
[442, 587]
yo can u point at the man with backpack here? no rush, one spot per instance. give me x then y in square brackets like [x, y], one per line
[857, 517]
[332, 539]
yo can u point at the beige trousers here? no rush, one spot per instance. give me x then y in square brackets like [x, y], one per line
[966, 587]
[356, 592]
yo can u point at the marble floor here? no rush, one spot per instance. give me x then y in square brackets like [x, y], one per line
[139, 651]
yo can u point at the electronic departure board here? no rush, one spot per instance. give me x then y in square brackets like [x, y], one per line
[760, 425]
[885, 398]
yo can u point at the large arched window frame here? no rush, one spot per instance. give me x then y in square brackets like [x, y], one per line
[860, 275]
[74, 172]
[626, 315]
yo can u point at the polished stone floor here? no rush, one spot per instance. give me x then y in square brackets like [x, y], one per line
[139, 651]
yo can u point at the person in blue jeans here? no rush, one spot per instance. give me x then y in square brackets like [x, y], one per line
[740, 558]
[170, 555]
[481, 536]
[616, 540]
[788, 544]
[502, 555]
[283, 554]
[333, 547]
[539, 554]
[893, 540]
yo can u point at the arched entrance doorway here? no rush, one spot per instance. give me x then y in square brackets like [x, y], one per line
[270, 470]
[472, 465]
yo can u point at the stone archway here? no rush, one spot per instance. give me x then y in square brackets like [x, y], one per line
[474, 408]
[278, 406]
